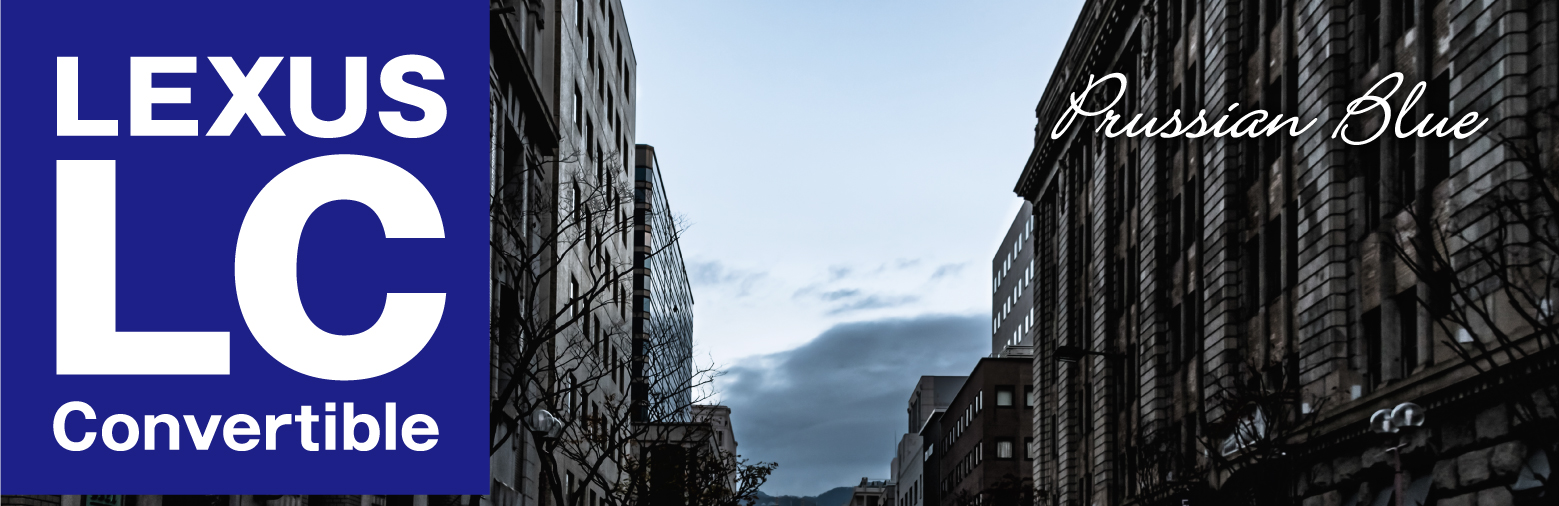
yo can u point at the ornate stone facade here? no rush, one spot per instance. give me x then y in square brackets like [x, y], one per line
[1294, 285]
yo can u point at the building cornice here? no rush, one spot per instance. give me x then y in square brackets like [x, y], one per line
[1092, 39]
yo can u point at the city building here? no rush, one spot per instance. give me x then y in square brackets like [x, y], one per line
[983, 432]
[663, 302]
[592, 215]
[1012, 274]
[872, 493]
[723, 435]
[719, 419]
[691, 462]
[524, 139]
[931, 396]
[1218, 319]
[929, 491]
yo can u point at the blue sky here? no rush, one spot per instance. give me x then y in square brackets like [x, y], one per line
[845, 169]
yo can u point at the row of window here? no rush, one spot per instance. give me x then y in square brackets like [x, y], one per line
[964, 419]
[604, 93]
[571, 490]
[1022, 330]
[587, 31]
[619, 298]
[1004, 451]
[1017, 247]
[1014, 298]
[1005, 395]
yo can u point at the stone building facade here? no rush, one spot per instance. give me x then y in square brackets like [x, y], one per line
[524, 143]
[1244, 305]
[562, 114]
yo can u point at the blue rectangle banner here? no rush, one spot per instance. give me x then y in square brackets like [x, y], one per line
[245, 248]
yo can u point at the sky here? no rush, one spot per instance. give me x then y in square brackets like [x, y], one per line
[844, 170]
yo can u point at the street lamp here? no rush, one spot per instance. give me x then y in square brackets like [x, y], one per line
[1391, 421]
[1069, 354]
[545, 426]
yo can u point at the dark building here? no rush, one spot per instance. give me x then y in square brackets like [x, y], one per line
[1217, 319]
[931, 393]
[931, 396]
[663, 303]
[1012, 273]
[691, 462]
[983, 433]
[935, 446]
[524, 139]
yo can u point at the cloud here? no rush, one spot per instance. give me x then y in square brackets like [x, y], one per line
[839, 294]
[853, 299]
[872, 302]
[898, 264]
[832, 410]
[947, 270]
[715, 274]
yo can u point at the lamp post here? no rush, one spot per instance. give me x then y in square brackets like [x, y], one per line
[1391, 421]
[546, 429]
[544, 426]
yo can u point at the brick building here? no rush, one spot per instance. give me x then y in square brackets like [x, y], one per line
[1218, 318]
[983, 432]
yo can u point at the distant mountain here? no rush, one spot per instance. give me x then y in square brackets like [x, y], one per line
[839, 496]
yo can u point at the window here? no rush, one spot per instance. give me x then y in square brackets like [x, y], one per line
[579, 16]
[1371, 31]
[1028, 396]
[1368, 158]
[1004, 396]
[1406, 16]
[1004, 448]
[568, 481]
[573, 292]
[570, 400]
[579, 110]
[1028, 448]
